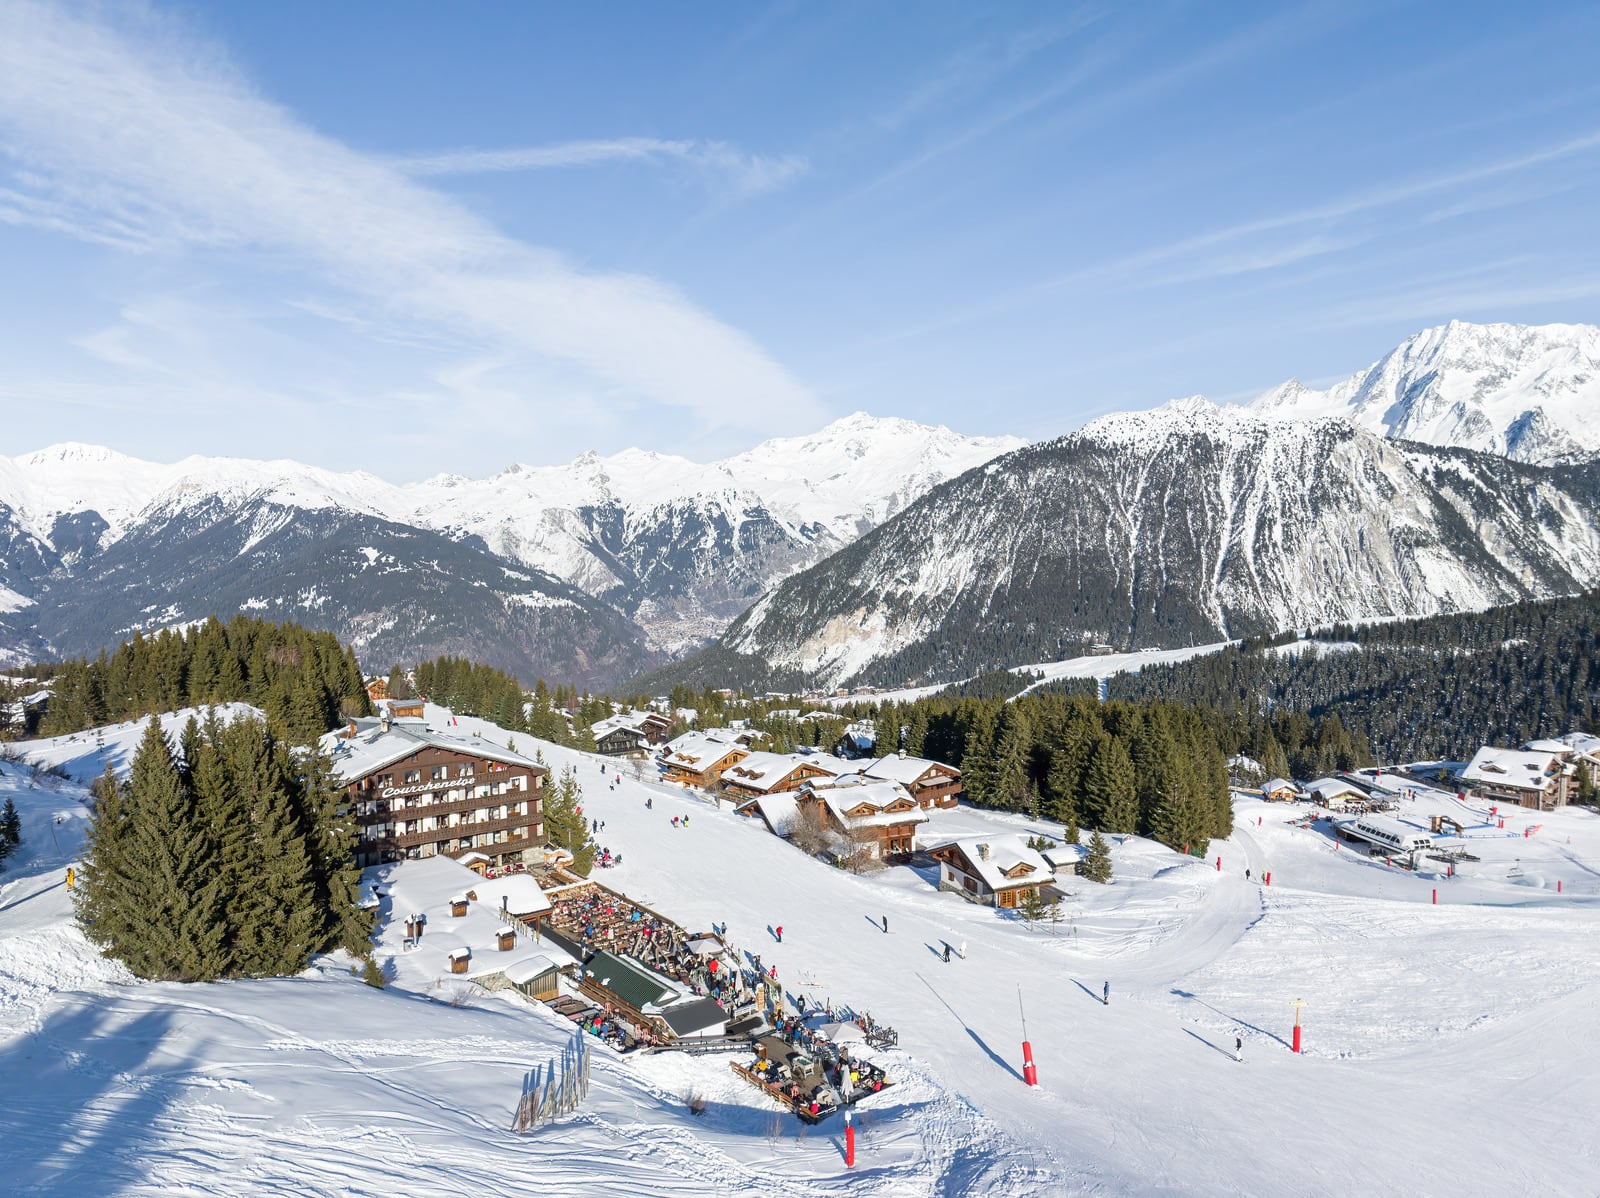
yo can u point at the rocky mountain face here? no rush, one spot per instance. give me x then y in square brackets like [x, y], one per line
[682, 547]
[1530, 393]
[585, 573]
[1184, 525]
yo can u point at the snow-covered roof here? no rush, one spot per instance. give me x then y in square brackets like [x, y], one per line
[357, 756]
[698, 750]
[1581, 742]
[1063, 855]
[841, 800]
[1548, 746]
[516, 893]
[899, 768]
[1513, 767]
[1328, 788]
[995, 856]
[763, 771]
[1276, 784]
[524, 969]
[776, 808]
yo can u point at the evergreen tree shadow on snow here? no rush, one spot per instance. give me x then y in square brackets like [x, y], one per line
[81, 1100]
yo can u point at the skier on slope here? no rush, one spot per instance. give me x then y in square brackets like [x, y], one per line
[1238, 1048]
[1105, 995]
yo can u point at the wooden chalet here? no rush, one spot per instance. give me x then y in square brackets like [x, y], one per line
[930, 783]
[622, 742]
[997, 871]
[1280, 790]
[1537, 779]
[699, 758]
[419, 793]
[878, 816]
[1335, 792]
[768, 773]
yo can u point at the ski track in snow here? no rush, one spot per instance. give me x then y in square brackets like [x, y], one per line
[1441, 1018]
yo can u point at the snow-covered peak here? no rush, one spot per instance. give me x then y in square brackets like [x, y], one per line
[1530, 392]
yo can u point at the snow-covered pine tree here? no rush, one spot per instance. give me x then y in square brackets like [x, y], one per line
[1097, 863]
[153, 897]
[10, 829]
[280, 921]
[1110, 798]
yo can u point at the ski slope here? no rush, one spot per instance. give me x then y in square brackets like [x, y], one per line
[1456, 1038]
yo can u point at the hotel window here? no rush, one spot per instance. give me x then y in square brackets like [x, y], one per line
[465, 771]
[439, 773]
[413, 776]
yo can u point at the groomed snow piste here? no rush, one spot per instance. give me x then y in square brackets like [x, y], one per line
[1449, 1049]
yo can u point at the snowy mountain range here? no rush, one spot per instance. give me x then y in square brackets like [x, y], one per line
[1185, 525]
[1531, 393]
[585, 572]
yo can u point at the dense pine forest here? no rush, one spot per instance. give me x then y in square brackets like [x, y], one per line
[229, 856]
[1150, 766]
[304, 681]
[1415, 690]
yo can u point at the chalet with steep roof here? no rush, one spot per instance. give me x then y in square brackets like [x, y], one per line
[766, 773]
[931, 783]
[1527, 778]
[881, 817]
[997, 871]
[699, 758]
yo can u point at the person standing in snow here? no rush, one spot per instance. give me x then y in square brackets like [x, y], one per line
[779, 931]
[1238, 1048]
[686, 821]
[947, 952]
[885, 925]
[1105, 995]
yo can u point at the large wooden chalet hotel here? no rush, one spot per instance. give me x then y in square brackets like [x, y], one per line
[420, 793]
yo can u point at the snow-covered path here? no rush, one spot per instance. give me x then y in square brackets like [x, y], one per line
[1456, 1038]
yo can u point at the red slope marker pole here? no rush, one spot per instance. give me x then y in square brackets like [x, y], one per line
[1030, 1074]
[849, 1142]
[1298, 1003]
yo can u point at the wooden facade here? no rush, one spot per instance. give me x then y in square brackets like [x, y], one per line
[743, 784]
[865, 823]
[931, 783]
[622, 742]
[705, 770]
[993, 883]
[441, 799]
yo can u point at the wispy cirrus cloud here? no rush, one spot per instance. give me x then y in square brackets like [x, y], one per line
[722, 165]
[127, 132]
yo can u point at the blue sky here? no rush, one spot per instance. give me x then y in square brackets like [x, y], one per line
[418, 238]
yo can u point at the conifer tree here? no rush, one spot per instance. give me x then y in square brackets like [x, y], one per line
[1109, 797]
[564, 823]
[333, 842]
[1009, 780]
[280, 923]
[161, 875]
[102, 897]
[1097, 862]
[10, 829]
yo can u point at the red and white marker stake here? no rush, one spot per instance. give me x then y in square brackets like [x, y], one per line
[849, 1142]
[1029, 1073]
